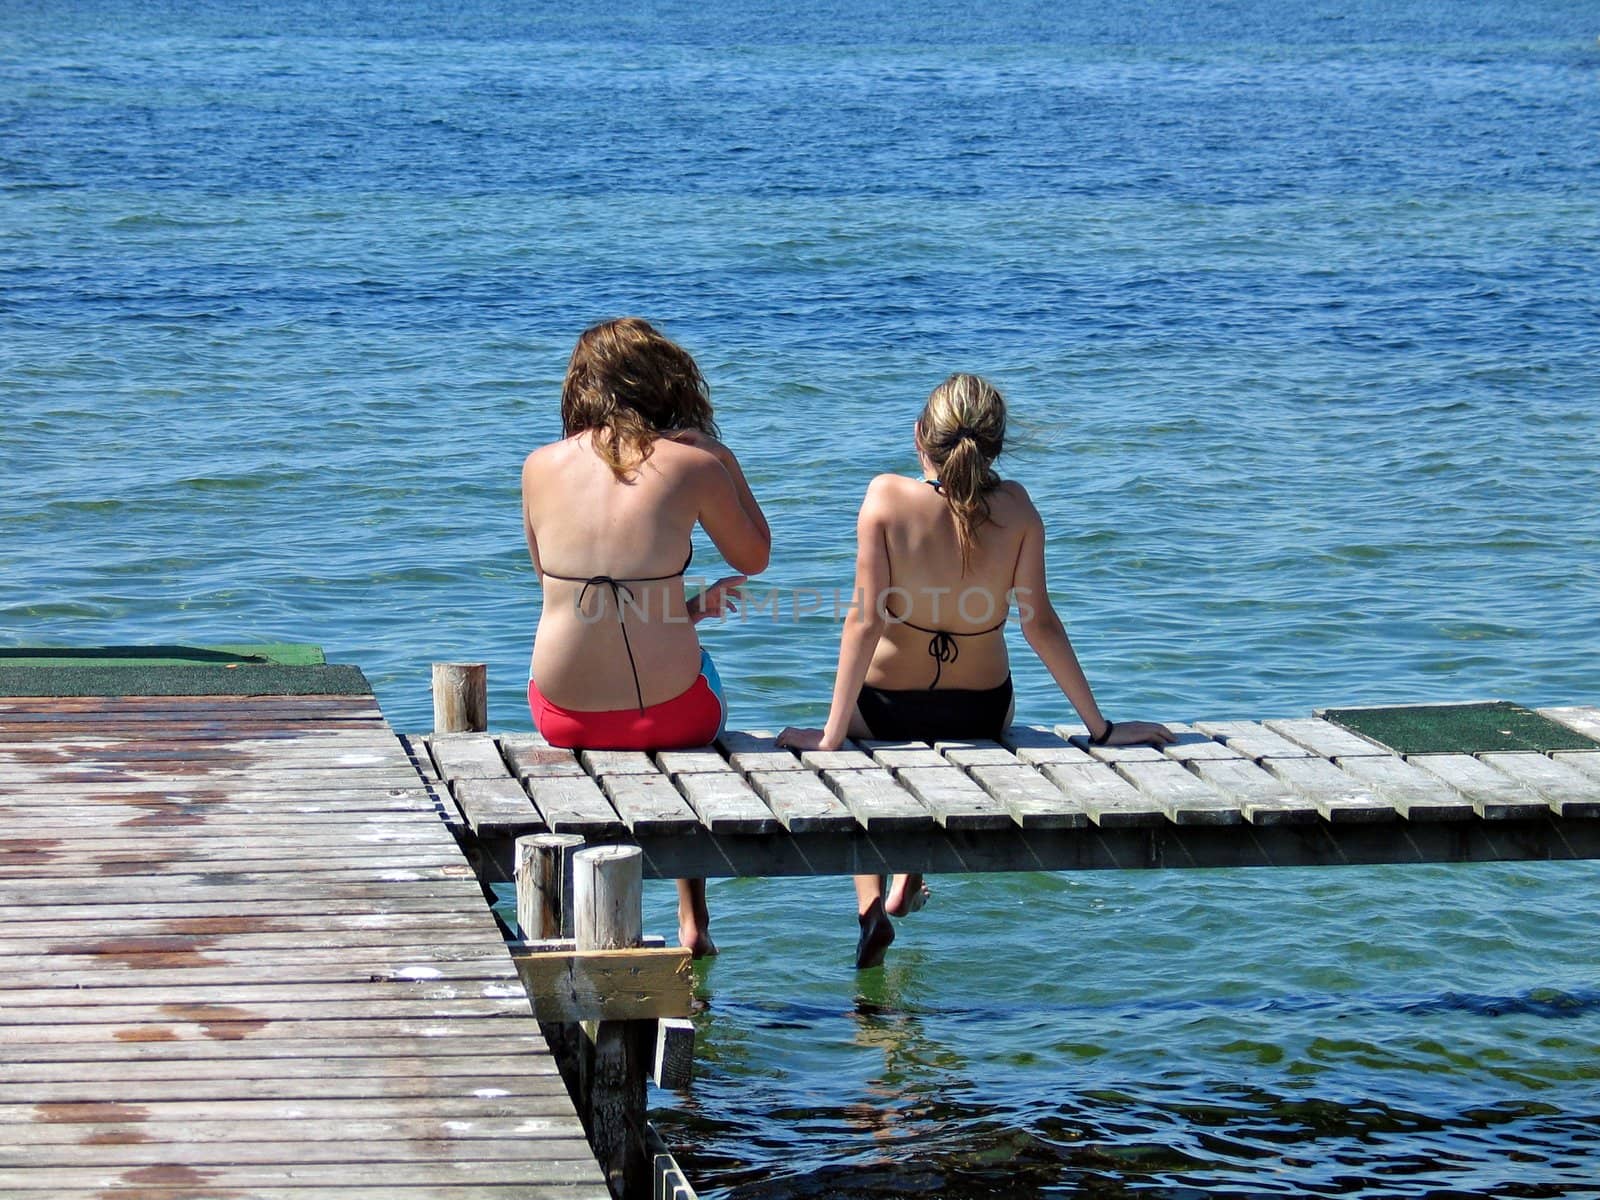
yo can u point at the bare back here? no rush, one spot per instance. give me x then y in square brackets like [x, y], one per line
[584, 522]
[927, 587]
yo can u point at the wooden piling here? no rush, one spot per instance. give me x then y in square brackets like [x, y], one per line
[608, 914]
[544, 884]
[460, 697]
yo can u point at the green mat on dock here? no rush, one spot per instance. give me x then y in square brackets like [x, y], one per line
[1460, 728]
[281, 669]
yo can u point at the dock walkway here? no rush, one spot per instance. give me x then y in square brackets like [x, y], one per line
[242, 956]
[1290, 792]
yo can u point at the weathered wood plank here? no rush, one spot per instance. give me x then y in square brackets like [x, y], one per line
[1326, 739]
[1185, 798]
[1415, 794]
[608, 985]
[1194, 746]
[1587, 761]
[754, 750]
[648, 803]
[1110, 800]
[1338, 797]
[1031, 799]
[1492, 794]
[575, 805]
[497, 807]
[702, 760]
[1263, 798]
[1580, 718]
[467, 756]
[878, 803]
[802, 802]
[836, 760]
[726, 803]
[1037, 745]
[977, 754]
[617, 762]
[955, 801]
[1568, 791]
[894, 755]
[525, 759]
[1252, 739]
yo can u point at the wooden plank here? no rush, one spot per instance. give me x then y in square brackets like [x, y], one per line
[649, 803]
[467, 756]
[575, 806]
[497, 807]
[1587, 761]
[1262, 797]
[894, 755]
[836, 760]
[802, 802]
[608, 985]
[1492, 794]
[1037, 745]
[1326, 739]
[1252, 739]
[1568, 791]
[1416, 794]
[700, 761]
[1338, 797]
[726, 803]
[977, 754]
[955, 801]
[1116, 754]
[1185, 798]
[617, 762]
[878, 803]
[754, 750]
[526, 759]
[1580, 718]
[1110, 801]
[1194, 746]
[1031, 799]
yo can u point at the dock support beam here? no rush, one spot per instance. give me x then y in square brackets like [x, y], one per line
[608, 914]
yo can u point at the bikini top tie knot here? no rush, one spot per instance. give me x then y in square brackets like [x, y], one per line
[942, 646]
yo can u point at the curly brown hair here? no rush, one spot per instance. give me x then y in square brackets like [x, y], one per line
[630, 385]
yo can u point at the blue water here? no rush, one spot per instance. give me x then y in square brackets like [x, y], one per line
[1294, 304]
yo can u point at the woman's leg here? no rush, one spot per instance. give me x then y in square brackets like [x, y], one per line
[694, 919]
[877, 931]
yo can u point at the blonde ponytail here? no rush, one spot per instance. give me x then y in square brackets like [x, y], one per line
[962, 430]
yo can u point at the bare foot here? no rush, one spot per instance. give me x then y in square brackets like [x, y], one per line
[907, 894]
[696, 939]
[694, 919]
[877, 933]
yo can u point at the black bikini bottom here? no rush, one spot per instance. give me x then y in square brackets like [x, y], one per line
[935, 715]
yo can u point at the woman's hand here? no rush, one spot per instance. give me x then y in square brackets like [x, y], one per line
[721, 598]
[1139, 733]
[794, 738]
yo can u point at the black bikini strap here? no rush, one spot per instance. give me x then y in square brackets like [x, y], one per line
[943, 648]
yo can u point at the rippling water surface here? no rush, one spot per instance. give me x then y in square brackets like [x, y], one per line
[1294, 304]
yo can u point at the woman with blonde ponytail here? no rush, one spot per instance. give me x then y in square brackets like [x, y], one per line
[940, 561]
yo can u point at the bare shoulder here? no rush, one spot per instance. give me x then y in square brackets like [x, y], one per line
[886, 494]
[1012, 501]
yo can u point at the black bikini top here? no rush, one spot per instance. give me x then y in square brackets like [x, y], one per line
[618, 586]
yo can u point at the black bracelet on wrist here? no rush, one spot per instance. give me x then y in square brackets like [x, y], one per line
[1104, 734]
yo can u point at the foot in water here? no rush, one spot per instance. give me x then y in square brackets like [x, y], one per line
[694, 919]
[907, 894]
[877, 933]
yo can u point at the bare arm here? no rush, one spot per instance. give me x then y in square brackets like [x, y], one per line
[1048, 637]
[728, 509]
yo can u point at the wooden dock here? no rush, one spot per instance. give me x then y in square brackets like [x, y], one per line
[241, 955]
[1291, 792]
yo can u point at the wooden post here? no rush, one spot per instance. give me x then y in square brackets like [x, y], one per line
[460, 698]
[608, 914]
[544, 884]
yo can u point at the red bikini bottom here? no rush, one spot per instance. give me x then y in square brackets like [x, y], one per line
[691, 718]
